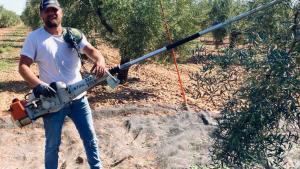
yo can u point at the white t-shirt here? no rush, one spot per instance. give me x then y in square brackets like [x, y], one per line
[55, 59]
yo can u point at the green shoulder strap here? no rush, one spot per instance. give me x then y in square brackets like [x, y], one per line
[72, 36]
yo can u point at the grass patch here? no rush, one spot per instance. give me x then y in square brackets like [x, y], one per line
[13, 40]
[16, 34]
[5, 49]
[8, 46]
[7, 64]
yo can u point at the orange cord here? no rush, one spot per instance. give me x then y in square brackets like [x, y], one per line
[173, 54]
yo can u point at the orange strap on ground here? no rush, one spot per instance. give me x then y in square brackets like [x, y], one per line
[173, 53]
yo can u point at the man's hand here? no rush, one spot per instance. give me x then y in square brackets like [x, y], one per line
[44, 90]
[98, 69]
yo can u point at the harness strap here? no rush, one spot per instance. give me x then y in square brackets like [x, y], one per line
[73, 37]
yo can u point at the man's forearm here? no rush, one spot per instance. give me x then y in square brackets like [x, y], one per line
[26, 73]
[94, 54]
[29, 76]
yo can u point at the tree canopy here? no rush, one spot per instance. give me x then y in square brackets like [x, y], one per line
[8, 18]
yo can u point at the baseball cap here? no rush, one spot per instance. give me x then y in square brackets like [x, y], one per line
[49, 3]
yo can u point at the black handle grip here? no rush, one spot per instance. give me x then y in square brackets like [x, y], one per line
[182, 41]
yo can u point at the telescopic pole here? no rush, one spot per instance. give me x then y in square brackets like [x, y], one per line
[192, 37]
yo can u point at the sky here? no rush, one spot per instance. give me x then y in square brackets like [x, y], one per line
[16, 6]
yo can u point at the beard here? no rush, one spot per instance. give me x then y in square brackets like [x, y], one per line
[52, 23]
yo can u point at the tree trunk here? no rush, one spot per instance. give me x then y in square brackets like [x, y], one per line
[103, 21]
[123, 74]
[234, 36]
[98, 9]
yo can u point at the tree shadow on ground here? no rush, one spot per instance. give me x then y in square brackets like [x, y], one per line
[12, 45]
[205, 58]
[10, 62]
[15, 35]
[125, 93]
[13, 40]
[11, 59]
[14, 86]
[16, 45]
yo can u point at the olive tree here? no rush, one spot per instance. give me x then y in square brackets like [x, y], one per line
[260, 122]
[137, 26]
[8, 18]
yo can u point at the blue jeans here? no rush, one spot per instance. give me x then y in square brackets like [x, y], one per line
[80, 113]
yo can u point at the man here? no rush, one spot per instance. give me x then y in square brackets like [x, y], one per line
[58, 62]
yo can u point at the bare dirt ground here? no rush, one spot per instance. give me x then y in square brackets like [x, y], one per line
[140, 124]
[134, 122]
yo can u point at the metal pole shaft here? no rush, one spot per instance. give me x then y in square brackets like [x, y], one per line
[194, 36]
